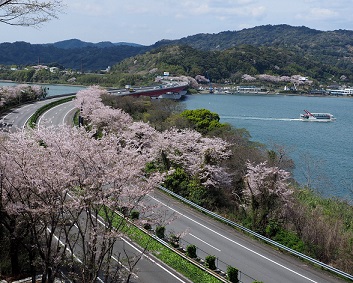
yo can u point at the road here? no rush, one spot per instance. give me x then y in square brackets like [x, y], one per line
[255, 260]
[18, 117]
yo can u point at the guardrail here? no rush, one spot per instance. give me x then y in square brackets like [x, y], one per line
[278, 245]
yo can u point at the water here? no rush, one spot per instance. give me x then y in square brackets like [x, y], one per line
[52, 90]
[324, 149]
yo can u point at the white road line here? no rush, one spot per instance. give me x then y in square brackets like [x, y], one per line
[204, 242]
[67, 113]
[145, 255]
[250, 250]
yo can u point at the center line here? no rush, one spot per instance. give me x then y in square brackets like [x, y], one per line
[204, 242]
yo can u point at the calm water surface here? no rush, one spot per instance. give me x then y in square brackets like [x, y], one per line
[325, 149]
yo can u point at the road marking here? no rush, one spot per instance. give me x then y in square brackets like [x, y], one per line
[244, 247]
[143, 254]
[67, 113]
[204, 242]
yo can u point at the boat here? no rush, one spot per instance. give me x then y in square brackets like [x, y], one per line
[318, 117]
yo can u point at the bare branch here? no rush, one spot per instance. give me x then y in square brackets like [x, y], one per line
[29, 12]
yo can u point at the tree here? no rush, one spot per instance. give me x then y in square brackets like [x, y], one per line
[28, 12]
[267, 191]
[58, 184]
[203, 120]
[201, 157]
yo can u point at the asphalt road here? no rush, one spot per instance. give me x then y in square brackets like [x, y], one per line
[18, 117]
[255, 260]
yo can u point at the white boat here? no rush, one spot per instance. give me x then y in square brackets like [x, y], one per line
[317, 117]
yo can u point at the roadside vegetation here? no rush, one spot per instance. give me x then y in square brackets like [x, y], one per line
[11, 96]
[295, 216]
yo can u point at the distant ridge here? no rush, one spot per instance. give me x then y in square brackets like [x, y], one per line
[334, 48]
[76, 43]
[265, 35]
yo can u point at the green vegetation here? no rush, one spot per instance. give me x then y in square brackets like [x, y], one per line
[204, 120]
[160, 232]
[191, 251]
[228, 66]
[210, 262]
[232, 274]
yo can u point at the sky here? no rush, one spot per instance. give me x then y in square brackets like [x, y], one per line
[148, 21]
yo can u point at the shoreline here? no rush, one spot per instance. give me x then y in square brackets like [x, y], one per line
[31, 83]
[272, 94]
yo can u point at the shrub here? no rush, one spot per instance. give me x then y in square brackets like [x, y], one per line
[191, 251]
[160, 232]
[174, 240]
[210, 262]
[134, 214]
[124, 211]
[147, 226]
[232, 274]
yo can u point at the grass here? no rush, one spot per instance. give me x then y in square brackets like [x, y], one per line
[166, 255]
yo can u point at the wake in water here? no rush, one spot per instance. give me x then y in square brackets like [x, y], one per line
[259, 118]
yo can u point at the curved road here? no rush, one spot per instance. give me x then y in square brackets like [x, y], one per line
[255, 260]
[18, 117]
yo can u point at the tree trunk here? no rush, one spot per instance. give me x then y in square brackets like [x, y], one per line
[15, 266]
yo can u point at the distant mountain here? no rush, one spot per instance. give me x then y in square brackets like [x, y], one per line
[328, 47]
[88, 57]
[266, 35]
[76, 43]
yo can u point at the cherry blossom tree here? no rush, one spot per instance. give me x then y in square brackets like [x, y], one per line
[200, 156]
[13, 95]
[59, 182]
[28, 12]
[248, 78]
[267, 191]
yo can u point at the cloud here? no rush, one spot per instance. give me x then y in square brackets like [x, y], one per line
[318, 14]
[91, 7]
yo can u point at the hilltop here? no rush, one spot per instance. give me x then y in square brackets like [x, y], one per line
[272, 49]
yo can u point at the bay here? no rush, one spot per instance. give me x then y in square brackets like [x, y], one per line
[322, 151]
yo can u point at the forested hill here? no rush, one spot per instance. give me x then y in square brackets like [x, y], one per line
[268, 35]
[334, 48]
[69, 54]
[230, 65]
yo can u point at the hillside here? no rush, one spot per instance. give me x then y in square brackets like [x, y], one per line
[321, 54]
[332, 47]
[71, 54]
[231, 64]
